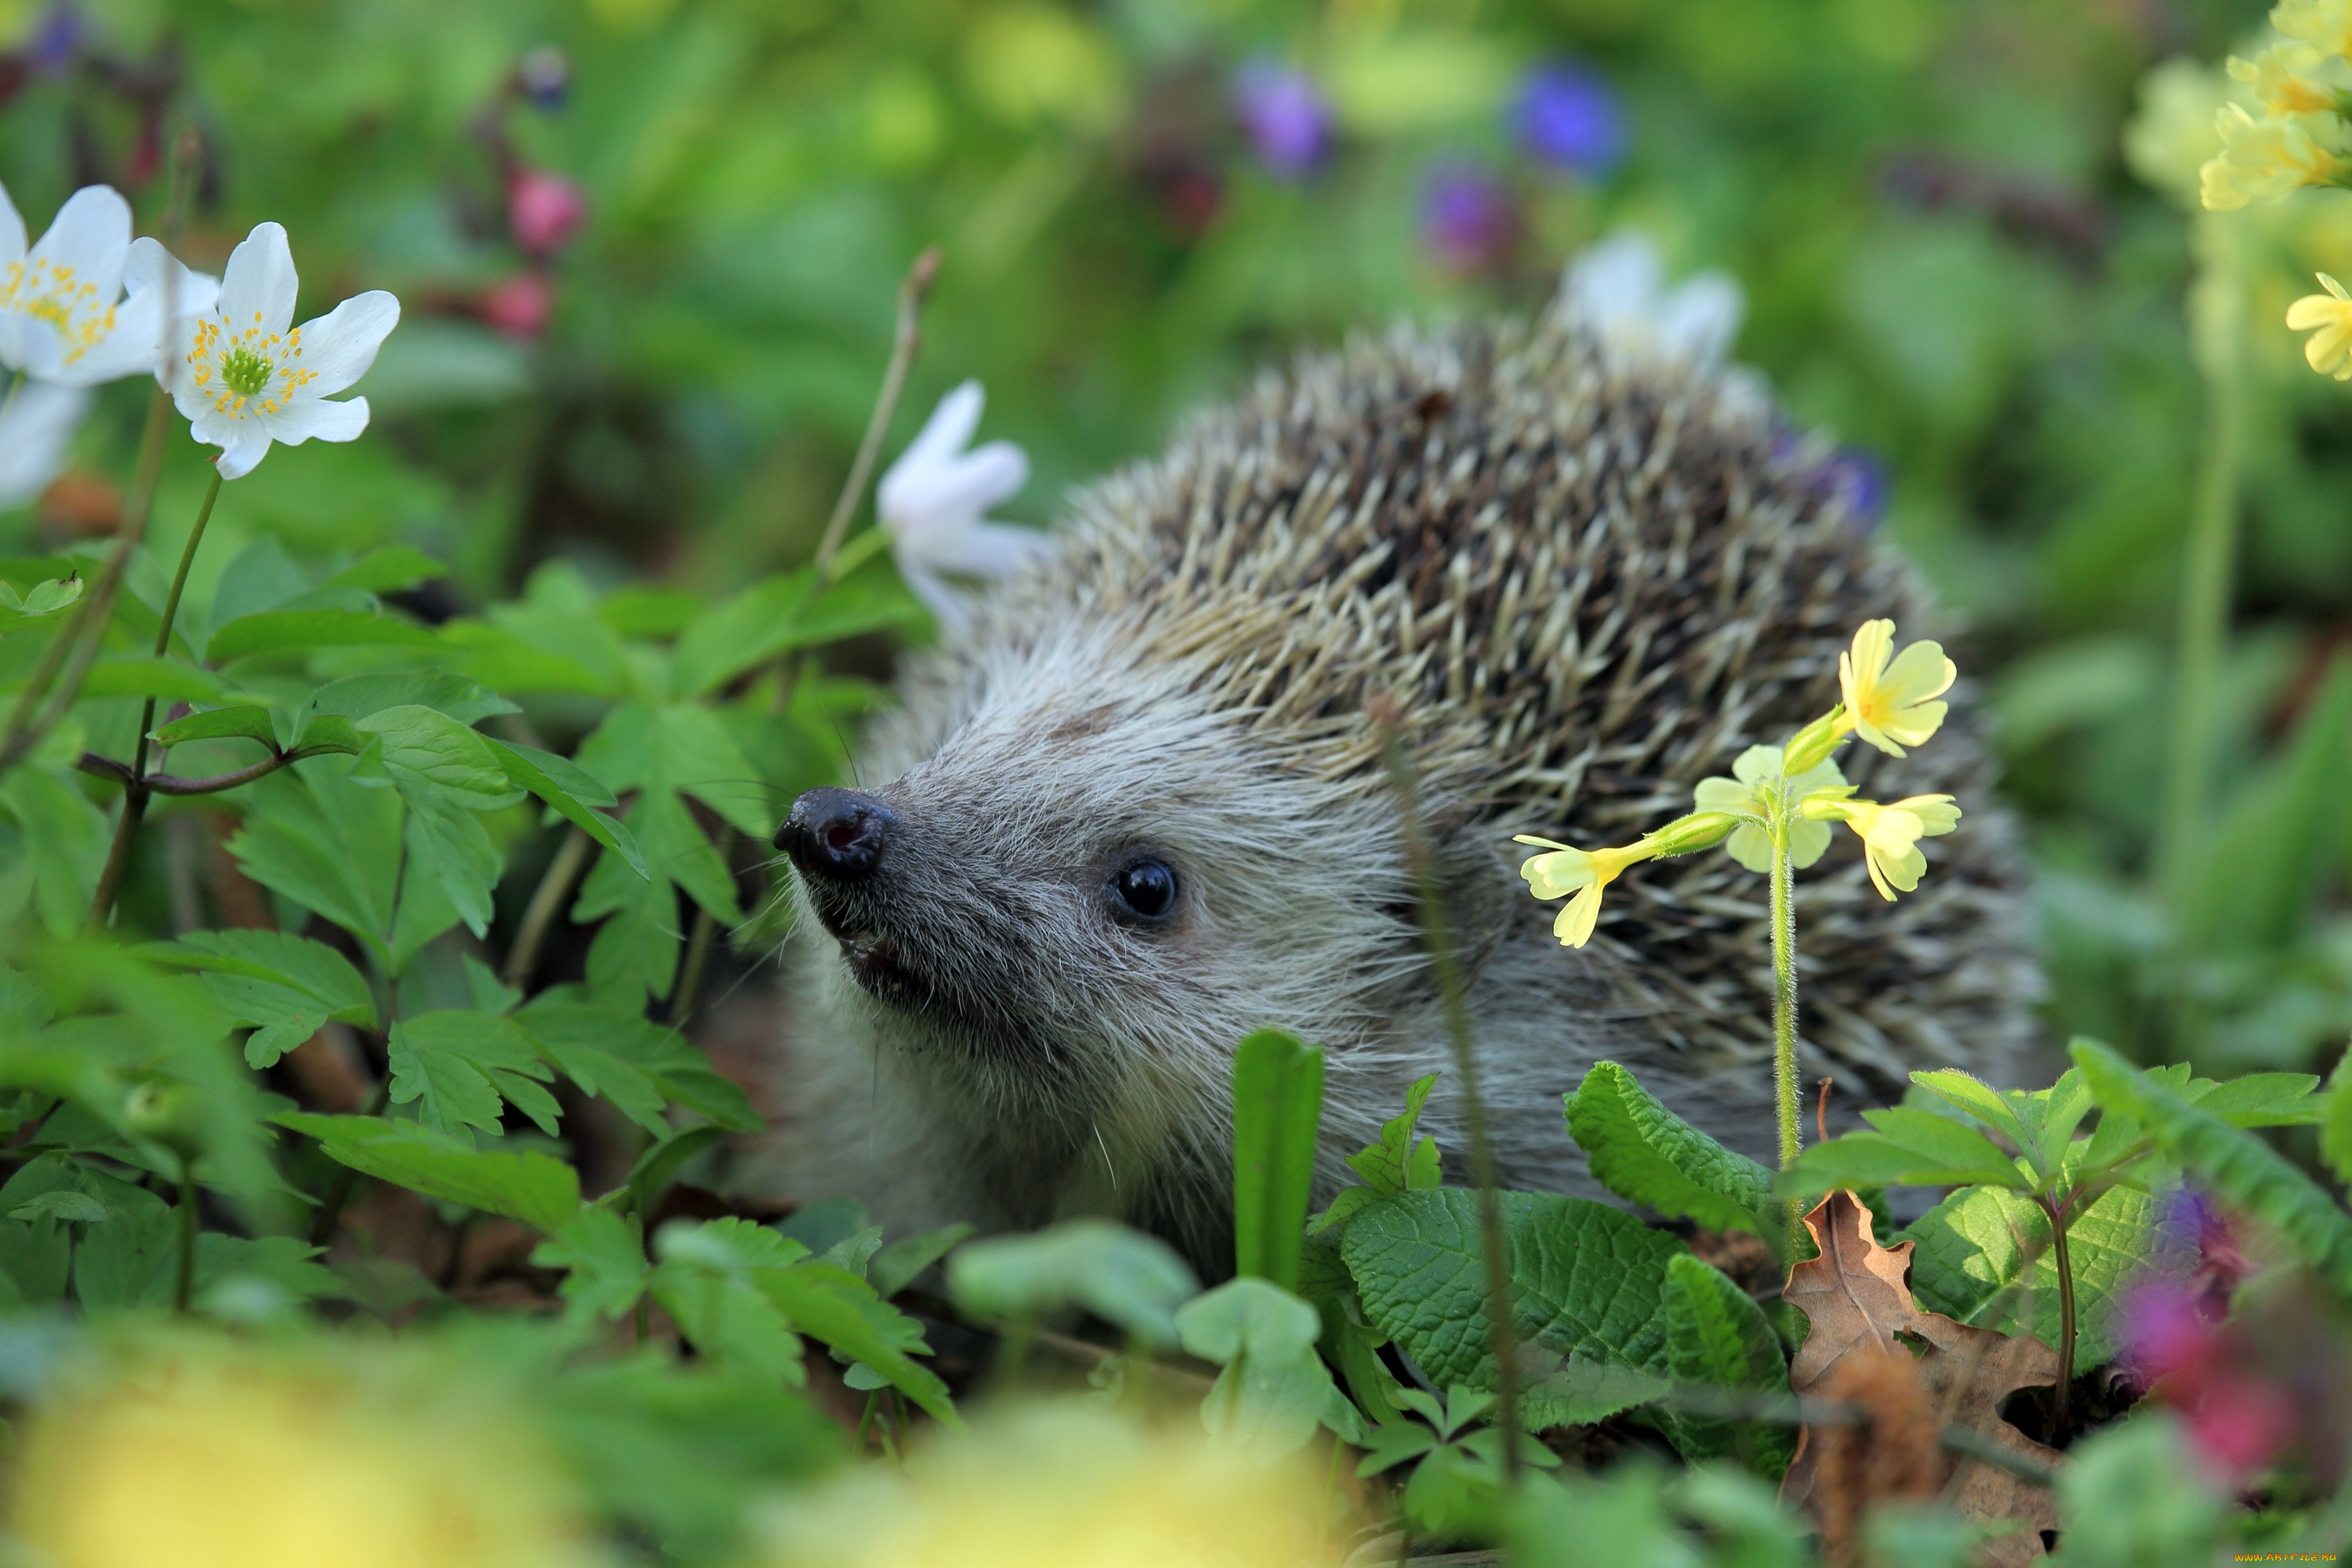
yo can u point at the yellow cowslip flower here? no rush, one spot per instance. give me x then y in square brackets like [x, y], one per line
[1584, 872]
[2324, 26]
[2328, 350]
[1891, 834]
[2286, 77]
[202, 1454]
[1747, 796]
[2269, 159]
[1060, 1485]
[1890, 697]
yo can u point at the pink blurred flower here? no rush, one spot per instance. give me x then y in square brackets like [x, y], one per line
[521, 305]
[545, 210]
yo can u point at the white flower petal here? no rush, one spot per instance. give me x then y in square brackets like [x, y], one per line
[150, 267]
[91, 234]
[1616, 281]
[12, 230]
[946, 432]
[36, 424]
[985, 549]
[338, 346]
[258, 286]
[17, 336]
[131, 348]
[214, 428]
[238, 457]
[945, 605]
[1698, 320]
[957, 491]
[306, 417]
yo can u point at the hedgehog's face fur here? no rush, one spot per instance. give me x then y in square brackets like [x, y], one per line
[990, 936]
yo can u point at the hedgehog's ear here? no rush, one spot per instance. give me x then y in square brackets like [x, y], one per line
[1477, 888]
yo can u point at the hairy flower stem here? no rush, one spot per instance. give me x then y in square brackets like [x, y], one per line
[1428, 895]
[135, 794]
[1784, 988]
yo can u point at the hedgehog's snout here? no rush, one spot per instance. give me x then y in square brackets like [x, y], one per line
[837, 835]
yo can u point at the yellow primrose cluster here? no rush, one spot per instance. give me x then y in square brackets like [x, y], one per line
[1783, 797]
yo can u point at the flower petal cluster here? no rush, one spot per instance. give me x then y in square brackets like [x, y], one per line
[2293, 79]
[2270, 159]
[2328, 318]
[1582, 872]
[1749, 793]
[934, 499]
[246, 376]
[1618, 288]
[83, 304]
[1890, 697]
[1891, 834]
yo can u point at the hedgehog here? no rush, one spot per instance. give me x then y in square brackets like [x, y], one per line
[1137, 807]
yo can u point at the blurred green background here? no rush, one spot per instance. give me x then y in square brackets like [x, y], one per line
[1950, 264]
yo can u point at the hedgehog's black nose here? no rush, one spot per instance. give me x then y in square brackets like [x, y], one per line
[836, 834]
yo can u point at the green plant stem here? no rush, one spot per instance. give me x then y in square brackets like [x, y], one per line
[183, 1288]
[2059, 1218]
[135, 794]
[546, 899]
[1784, 992]
[2216, 322]
[1428, 895]
[698, 944]
[912, 291]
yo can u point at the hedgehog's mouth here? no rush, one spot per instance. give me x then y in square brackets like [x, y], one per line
[879, 964]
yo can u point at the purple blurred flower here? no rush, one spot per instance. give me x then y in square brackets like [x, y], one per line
[56, 42]
[544, 77]
[1567, 115]
[1468, 218]
[1285, 117]
[1858, 478]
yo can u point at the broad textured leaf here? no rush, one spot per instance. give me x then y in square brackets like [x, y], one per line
[1972, 1249]
[1121, 1275]
[2238, 1167]
[60, 849]
[457, 1065]
[706, 1280]
[243, 721]
[1647, 1154]
[1588, 1280]
[1399, 1163]
[286, 631]
[1717, 1334]
[774, 617]
[328, 845]
[570, 791]
[541, 1192]
[659, 1164]
[1277, 1108]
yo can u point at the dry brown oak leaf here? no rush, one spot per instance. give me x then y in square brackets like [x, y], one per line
[1857, 1295]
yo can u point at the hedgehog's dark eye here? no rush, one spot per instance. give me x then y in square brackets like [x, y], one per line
[1146, 889]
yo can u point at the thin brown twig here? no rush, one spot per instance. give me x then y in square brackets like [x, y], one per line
[912, 291]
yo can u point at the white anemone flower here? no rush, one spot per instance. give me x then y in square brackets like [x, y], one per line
[933, 498]
[66, 325]
[246, 376]
[1618, 288]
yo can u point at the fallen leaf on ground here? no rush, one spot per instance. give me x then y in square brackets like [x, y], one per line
[1857, 1296]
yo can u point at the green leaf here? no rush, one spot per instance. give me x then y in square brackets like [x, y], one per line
[243, 722]
[2263, 859]
[1278, 1109]
[2137, 1494]
[425, 745]
[2335, 1136]
[836, 1306]
[2261, 1100]
[1273, 1389]
[569, 788]
[141, 675]
[60, 1204]
[2239, 1168]
[541, 1192]
[1970, 1262]
[776, 617]
[1588, 1280]
[1977, 1097]
[1121, 1275]
[457, 1066]
[457, 697]
[1716, 1334]
[1942, 1144]
[287, 631]
[897, 1265]
[285, 987]
[658, 1165]
[604, 1252]
[446, 841]
[1397, 1164]
[1647, 1154]
[634, 1062]
[60, 849]
[388, 569]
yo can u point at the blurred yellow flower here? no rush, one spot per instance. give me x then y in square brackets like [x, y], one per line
[1059, 1485]
[2267, 160]
[1890, 697]
[1030, 62]
[211, 1455]
[1891, 834]
[2172, 135]
[1584, 872]
[2329, 347]
[2285, 78]
[2325, 25]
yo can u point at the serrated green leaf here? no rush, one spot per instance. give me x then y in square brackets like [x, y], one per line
[1121, 1275]
[457, 1065]
[1970, 1262]
[773, 618]
[835, 1305]
[541, 1192]
[623, 1055]
[658, 1165]
[1397, 1164]
[603, 1253]
[288, 631]
[1588, 1280]
[1978, 1099]
[62, 849]
[2237, 1166]
[449, 846]
[1278, 1110]
[428, 746]
[285, 987]
[561, 783]
[1647, 1154]
[1717, 1335]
